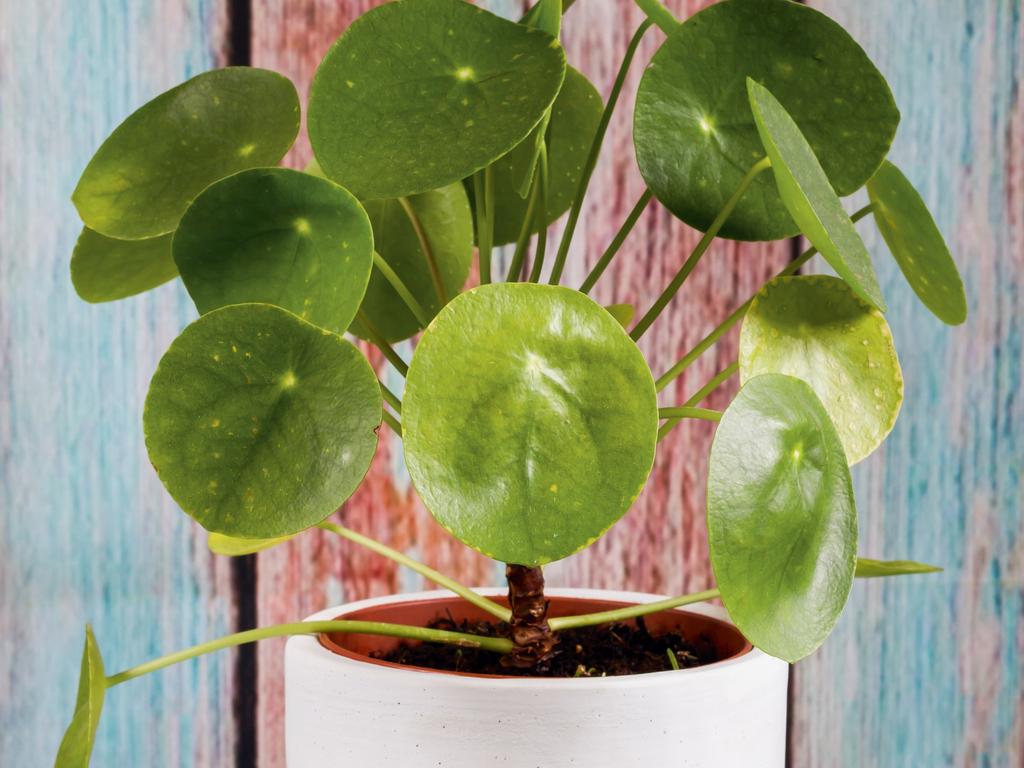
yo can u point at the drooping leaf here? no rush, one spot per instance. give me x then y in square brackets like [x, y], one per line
[574, 118]
[623, 313]
[872, 569]
[782, 523]
[447, 225]
[280, 237]
[106, 269]
[809, 197]
[76, 746]
[917, 245]
[529, 420]
[695, 136]
[142, 178]
[815, 328]
[418, 94]
[260, 424]
[232, 546]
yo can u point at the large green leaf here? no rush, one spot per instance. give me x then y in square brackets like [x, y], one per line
[782, 523]
[810, 198]
[873, 569]
[529, 420]
[260, 424]
[280, 237]
[142, 178]
[574, 119]
[447, 225]
[105, 269]
[917, 245]
[815, 328]
[695, 136]
[76, 746]
[421, 93]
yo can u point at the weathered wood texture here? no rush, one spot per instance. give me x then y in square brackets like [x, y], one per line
[86, 531]
[928, 671]
[660, 545]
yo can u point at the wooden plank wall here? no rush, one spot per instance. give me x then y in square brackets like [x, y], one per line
[946, 487]
[86, 530]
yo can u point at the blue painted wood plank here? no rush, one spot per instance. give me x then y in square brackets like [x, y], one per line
[927, 671]
[86, 531]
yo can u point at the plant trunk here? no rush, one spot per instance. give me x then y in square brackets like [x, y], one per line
[535, 642]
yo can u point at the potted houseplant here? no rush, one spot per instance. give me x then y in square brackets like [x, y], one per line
[529, 417]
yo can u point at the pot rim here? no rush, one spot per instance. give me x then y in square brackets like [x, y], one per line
[311, 644]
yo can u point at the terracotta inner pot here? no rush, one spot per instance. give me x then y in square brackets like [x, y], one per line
[727, 640]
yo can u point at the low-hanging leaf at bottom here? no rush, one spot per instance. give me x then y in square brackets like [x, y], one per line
[76, 746]
[782, 523]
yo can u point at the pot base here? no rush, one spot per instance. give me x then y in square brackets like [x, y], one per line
[341, 709]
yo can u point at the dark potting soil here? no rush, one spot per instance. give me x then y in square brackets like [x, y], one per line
[616, 649]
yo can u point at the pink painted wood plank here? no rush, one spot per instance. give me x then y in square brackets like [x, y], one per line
[660, 545]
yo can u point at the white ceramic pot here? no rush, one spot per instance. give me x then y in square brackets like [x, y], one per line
[347, 711]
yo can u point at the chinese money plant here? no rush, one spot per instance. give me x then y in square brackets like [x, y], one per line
[529, 417]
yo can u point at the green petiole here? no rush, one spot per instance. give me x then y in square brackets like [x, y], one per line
[684, 272]
[400, 288]
[378, 340]
[426, 571]
[687, 412]
[659, 14]
[617, 241]
[704, 344]
[392, 422]
[428, 252]
[699, 395]
[496, 644]
[595, 151]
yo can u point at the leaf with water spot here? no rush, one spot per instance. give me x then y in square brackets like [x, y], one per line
[418, 94]
[809, 197]
[446, 222]
[76, 746]
[782, 522]
[528, 449]
[574, 118]
[260, 424]
[694, 133]
[106, 269]
[815, 328]
[281, 237]
[232, 546]
[153, 165]
[917, 245]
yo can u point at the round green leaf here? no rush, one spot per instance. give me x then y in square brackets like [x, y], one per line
[106, 269]
[529, 421]
[695, 136]
[76, 746]
[574, 119]
[809, 197]
[447, 224]
[782, 523]
[260, 424]
[917, 245]
[153, 165]
[418, 94]
[280, 237]
[815, 328]
[232, 546]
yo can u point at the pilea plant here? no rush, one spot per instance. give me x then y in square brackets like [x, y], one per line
[529, 417]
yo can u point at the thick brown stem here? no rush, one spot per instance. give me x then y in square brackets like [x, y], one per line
[535, 642]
